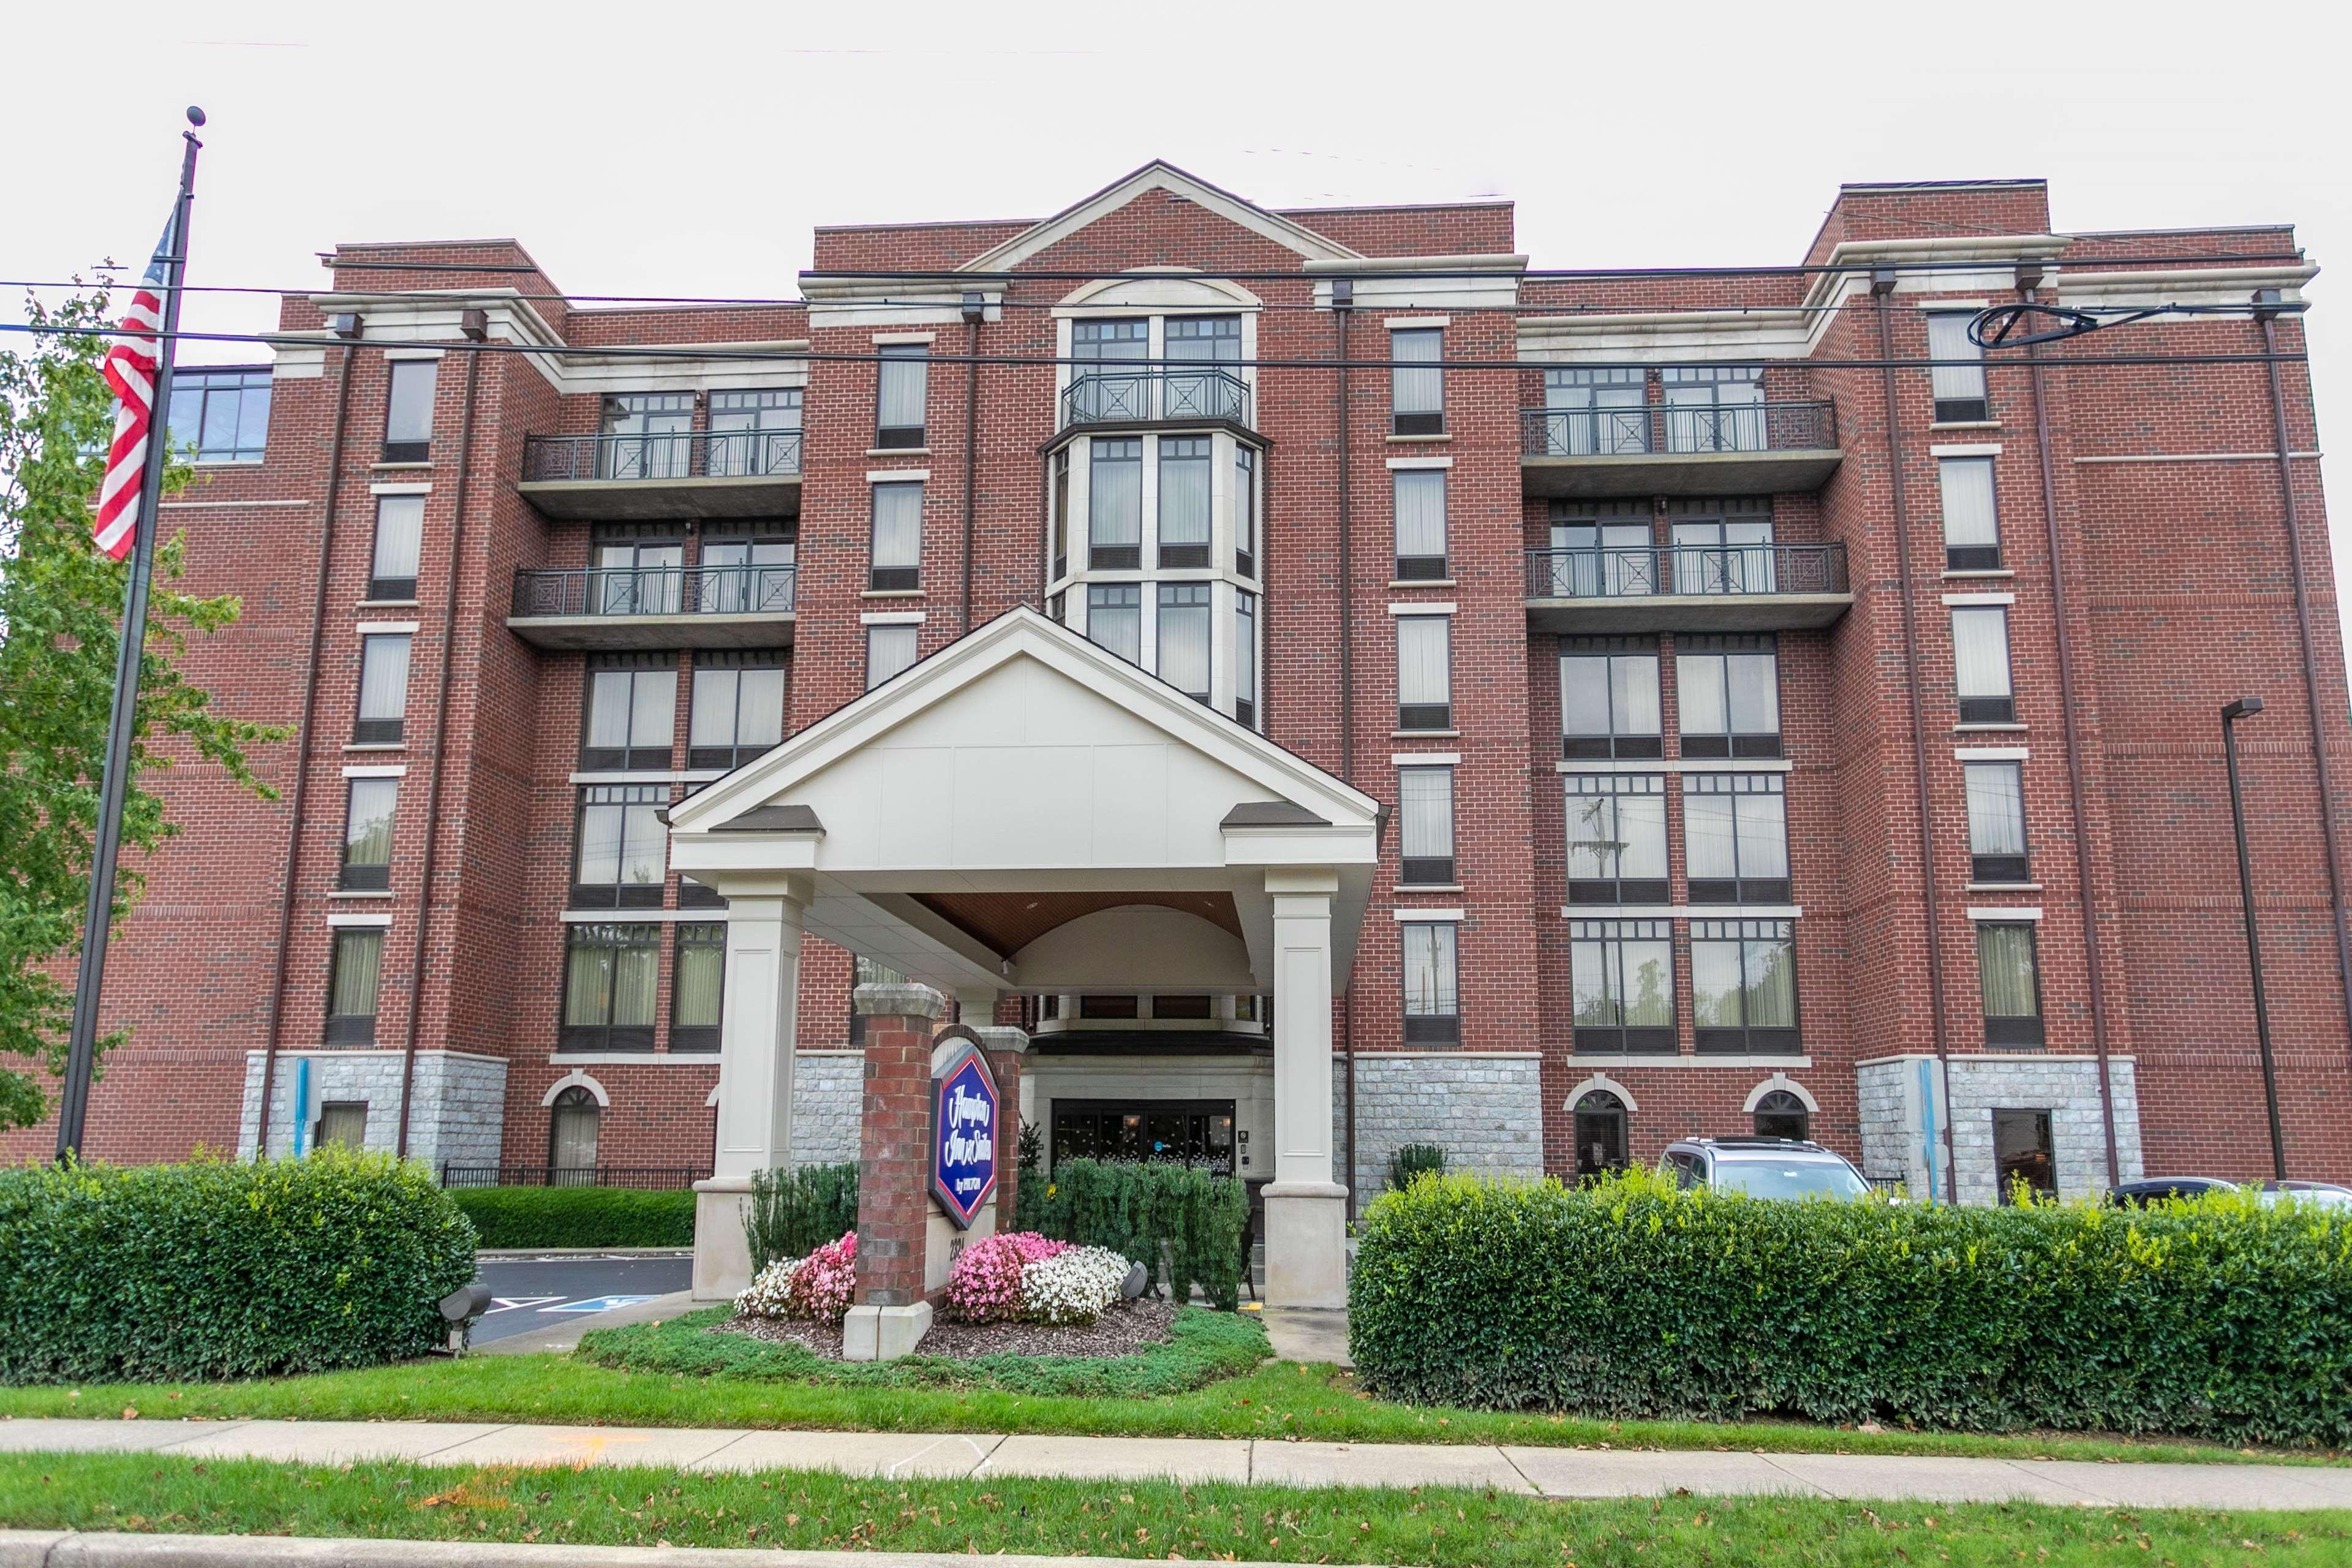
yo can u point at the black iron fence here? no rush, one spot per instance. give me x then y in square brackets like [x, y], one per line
[654, 590]
[1155, 392]
[1620, 571]
[669, 455]
[1642, 429]
[644, 1178]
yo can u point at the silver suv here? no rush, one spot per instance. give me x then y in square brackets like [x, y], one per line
[1763, 1168]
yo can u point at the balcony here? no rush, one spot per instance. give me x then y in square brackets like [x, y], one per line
[1678, 449]
[681, 474]
[1687, 587]
[1156, 394]
[654, 606]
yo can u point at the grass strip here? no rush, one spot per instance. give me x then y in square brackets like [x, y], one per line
[1117, 1519]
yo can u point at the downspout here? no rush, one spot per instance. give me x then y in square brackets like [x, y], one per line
[440, 738]
[971, 315]
[1343, 295]
[1882, 285]
[2266, 312]
[270, 1026]
[2093, 968]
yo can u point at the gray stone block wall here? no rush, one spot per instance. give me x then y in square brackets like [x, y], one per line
[2065, 1086]
[1486, 1112]
[828, 1093]
[457, 1111]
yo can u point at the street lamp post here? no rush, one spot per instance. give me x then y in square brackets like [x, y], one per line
[2242, 708]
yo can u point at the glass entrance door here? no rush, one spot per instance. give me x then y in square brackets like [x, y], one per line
[1184, 1131]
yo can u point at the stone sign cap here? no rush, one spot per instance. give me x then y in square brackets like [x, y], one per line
[899, 1001]
[964, 1107]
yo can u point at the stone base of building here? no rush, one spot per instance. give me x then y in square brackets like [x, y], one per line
[827, 1088]
[457, 1111]
[722, 1252]
[1906, 1109]
[1486, 1111]
[1305, 1244]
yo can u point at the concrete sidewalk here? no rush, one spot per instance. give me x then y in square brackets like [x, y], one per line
[1533, 1472]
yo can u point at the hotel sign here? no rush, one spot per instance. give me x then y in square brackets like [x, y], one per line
[964, 1108]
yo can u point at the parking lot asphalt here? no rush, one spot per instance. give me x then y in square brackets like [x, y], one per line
[575, 1289]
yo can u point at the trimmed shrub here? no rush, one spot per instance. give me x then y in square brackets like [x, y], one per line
[215, 1270]
[792, 1212]
[578, 1216]
[1415, 1159]
[2221, 1318]
[1184, 1222]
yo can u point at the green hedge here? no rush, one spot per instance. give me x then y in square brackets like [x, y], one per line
[1184, 1222]
[213, 1270]
[2220, 1319]
[792, 1212]
[578, 1216]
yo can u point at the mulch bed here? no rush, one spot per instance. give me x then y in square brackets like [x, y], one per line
[1122, 1329]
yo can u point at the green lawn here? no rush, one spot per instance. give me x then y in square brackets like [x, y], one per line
[1154, 1519]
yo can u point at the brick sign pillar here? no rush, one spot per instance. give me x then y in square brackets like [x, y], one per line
[889, 1315]
[1006, 1049]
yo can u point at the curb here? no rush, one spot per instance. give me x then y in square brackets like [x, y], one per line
[72, 1549]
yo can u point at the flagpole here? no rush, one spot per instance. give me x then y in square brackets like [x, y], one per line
[81, 1049]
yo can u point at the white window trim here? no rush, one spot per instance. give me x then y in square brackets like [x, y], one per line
[646, 775]
[414, 353]
[390, 771]
[361, 920]
[576, 1080]
[1410, 607]
[642, 917]
[880, 339]
[405, 489]
[386, 628]
[1426, 760]
[1965, 449]
[1989, 754]
[2020, 914]
[1964, 601]
[897, 476]
[1780, 1082]
[1683, 912]
[1414, 323]
[1429, 917]
[1676, 765]
[1396, 463]
[893, 617]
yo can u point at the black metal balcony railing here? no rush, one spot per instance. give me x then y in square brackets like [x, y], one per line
[649, 1178]
[1158, 392]
[653, 590]
[1644, 429]
[1634, 572]
[680, 455]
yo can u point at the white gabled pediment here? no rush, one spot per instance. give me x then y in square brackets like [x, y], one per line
[1157, 175]
[1157, 289]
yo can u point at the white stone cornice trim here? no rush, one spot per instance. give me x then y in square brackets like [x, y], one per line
[575, 1079]
[1413, 323]
[392, 771]
[897, 476]
[883, 340]
[1396, 463]
[1425, 759]
[1781, 1082]
[2022, 914]
[383, 628]
[1965, 449]
[1989, 754]
[1602, 1080]
[1468, 262]
[1666, 336]
[1407, 915]
[2185, 285]
[360, 918]
[403, 488]
[893, 617]
[1979, 600]
[1158, 289]
[1422, 607]
[1161, 175]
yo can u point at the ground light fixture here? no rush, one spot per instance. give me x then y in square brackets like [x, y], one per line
[460, 1308]
[2246, 707]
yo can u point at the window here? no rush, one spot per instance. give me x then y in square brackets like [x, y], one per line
[1420, 496]
[1101, 387]
[1062, 513]
[902, 384]
[219, 415]
[2022, 1155]
[738, 708]
[1115, 507]
[1608, 703]
[623, 852]
[1959, 388]
[1424, 672]
[1183, 500]
[609, 973]
[1182, 1008]
[890, 650]
[1735, 839]
[342, 1123]
[367, 835]
[1744, 985]
[1245, 657]
[1600, 1133]
[1115, 1007]
[897, 537]
[1980, 664]
[1723, 547]
[572, 1137]
[1431, 1016]
[697, 986]
[1780, 1114]
[753, 433]
[352, 985]
[1996, 794]
[1417, 381]
[632, 711]
[1727, 696]
[640, 571]
[1183, 638]
[1601, 549]
[646, 436]
[1115, 618]
[399, 540]
[1616, 838]
[1213, 391]
[750, 575]
[1245, 511]
[1425, 804]
[1595, 413]
[2012, 981]
[1622, 975]
[1714, 408]
[408, 410]
[383, 689]
[1971, 523]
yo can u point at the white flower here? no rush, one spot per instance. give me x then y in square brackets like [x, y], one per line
[1072, 1286]
[768, 1296]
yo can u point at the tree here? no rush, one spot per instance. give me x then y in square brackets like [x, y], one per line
[60, 616]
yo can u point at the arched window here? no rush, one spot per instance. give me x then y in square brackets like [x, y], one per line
[1600, 1133]
[1780, 1114]
[571, 1138]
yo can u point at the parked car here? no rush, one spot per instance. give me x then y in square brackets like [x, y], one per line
[2156, 1189]
[1763, 1168]
[2326, 1195]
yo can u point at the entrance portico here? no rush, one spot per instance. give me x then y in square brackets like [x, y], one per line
[1027, 813]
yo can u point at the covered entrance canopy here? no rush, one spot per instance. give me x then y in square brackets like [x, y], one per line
[1026, 812]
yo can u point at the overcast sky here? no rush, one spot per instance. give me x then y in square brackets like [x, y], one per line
[690, 149]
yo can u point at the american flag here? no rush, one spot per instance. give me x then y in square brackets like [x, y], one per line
[129, 369]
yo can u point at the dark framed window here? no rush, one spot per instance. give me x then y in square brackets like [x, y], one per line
[1971, 514]
[610, 979]
[1727, 696]
[1203, 380]
[632, 711]
[383, 689]
[1424, 672]
[1744, 987]
[646, 436]
[367, 835]
[1735, 839]
[1419, 496]
[1417, 381]
[408, 409]
[1957, 384]
[1722, 546]
[2009, 974]
[698, 986]
[1616, 838]
[1996, 796]
[1433, 1015]
[753, 433]
[1184, 482]
[1780, 1114]
[1622, 977]
[1596, 413]
[739, 707]
[342, 1123]
[902, 386]
[1245, 511]
[2023, 1154]
[1115, 618]
[1183, 638]
[1980, 664]
[1061, 478]
[1600, 1133]
[351, 982]
[750, 573]
[571, 1126]
[1602, 550]
[1102, 386]
[1609, 698]
[1115, 506]
[640, 570]
[891, 651]
[1104, 1007]
[622, 854]
[219, 415]
[399, 543]
[1425, 826]
[1185, 1007]
[1245, 657]
[897, 536]
[1713, 408]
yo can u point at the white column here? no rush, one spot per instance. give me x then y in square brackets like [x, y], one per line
[758, 1028]
[1305, 1209]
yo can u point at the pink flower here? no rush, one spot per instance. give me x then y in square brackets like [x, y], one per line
[985, 1286]
[823, 1285]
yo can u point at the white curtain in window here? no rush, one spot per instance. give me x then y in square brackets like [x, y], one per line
[760, 708]
[1996, 808]
[588, 983]
[1245, 645]
[1633, 693]
[1429, 972]
[1425, 664]
[1413, 390]
[1420, 511]
[1763, 822]
[1583, 695]
[359, 957]
[1700, 703]
[574, 1145]
[634, 970]
[1114, 621]
[1185, 491]
[713, 721]
[1716, 985]
[1968, 501]
[409, 403]
[1771, 982]
[653, 709]
[1592, 990]
[383, 677]
[608, 708]
[1948, 338]
[1115, 493]
[600, 844]
[399, 535]
[1708, 836]
[1425, 804]
[2005, 962]
[1980, 651]
[1649, 987]
[701, 967]
[1184, 636]
[888, 650]
[1245, 499]
[905, 379]
[898, 525]
[645, 845]
[1754, 680]
[367, 836]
